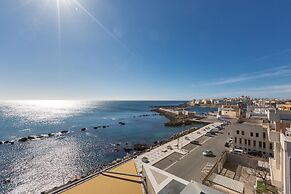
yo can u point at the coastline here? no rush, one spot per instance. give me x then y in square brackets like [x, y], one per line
[84, 137]
[118, 162]
[129, 156]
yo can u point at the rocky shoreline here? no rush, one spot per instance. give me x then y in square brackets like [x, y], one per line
[176, 120]
[139, 149]
[63, 132]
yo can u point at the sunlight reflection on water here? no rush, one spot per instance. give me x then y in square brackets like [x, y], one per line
[41, 165]
[44, 111]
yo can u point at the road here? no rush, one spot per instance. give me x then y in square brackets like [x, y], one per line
[189, 166]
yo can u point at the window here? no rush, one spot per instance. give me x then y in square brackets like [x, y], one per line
[249, 142]
[240, 140]
[234, 139]
[254, 143]
[264, 135]
[243, 132]
[271, 146]
[252, 134]
[260, 144]
[257, 134]
[264, 145]
[237, 131]
[245, 142]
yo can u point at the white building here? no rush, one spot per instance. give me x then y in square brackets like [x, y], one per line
[260, 112]
[279, 132]
[161, 182]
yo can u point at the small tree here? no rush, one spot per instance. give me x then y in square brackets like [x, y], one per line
[261, 171]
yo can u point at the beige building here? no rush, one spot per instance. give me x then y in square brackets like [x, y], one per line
[229, 111]
[286, 107]
[252, 138]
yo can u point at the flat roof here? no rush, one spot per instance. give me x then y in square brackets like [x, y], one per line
[111, 183]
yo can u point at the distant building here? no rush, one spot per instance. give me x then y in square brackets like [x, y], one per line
[260, 112]
[205, 101]
[229, 111]
[286, 107]
[218, 102]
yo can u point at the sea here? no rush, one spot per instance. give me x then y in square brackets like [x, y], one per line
[40, 164]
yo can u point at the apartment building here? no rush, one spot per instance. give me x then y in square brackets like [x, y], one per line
[252, 138]
[259, 112]
[279, 132]
[229, 111]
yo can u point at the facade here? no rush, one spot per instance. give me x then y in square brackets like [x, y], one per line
[229, 111]
[286, 107]
[252, 138]
[280, 133]
[260, 112]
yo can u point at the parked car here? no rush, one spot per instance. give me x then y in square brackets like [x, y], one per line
[187, 138]
[228, 143]
[237, 151]
[212, 132]
[145, 160]
[195, 142]
[207, 153]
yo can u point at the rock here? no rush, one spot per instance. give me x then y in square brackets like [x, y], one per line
[1, 142]
[97, 127]
[12, 142]
[116, 150]
[118, 160]
[64, 131]
[6, 142]
[39, 136]
[6, 181]
[140, 147]
[104, 126]
[83, 129]
[121, 123]
[127, 149]
[51, 134]
[30, 137]
[23, 139]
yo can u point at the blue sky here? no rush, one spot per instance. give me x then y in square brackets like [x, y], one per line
[127, 49]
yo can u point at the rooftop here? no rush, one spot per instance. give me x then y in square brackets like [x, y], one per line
[110, 182]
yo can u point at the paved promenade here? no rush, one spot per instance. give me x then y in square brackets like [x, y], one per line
[175, 146]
